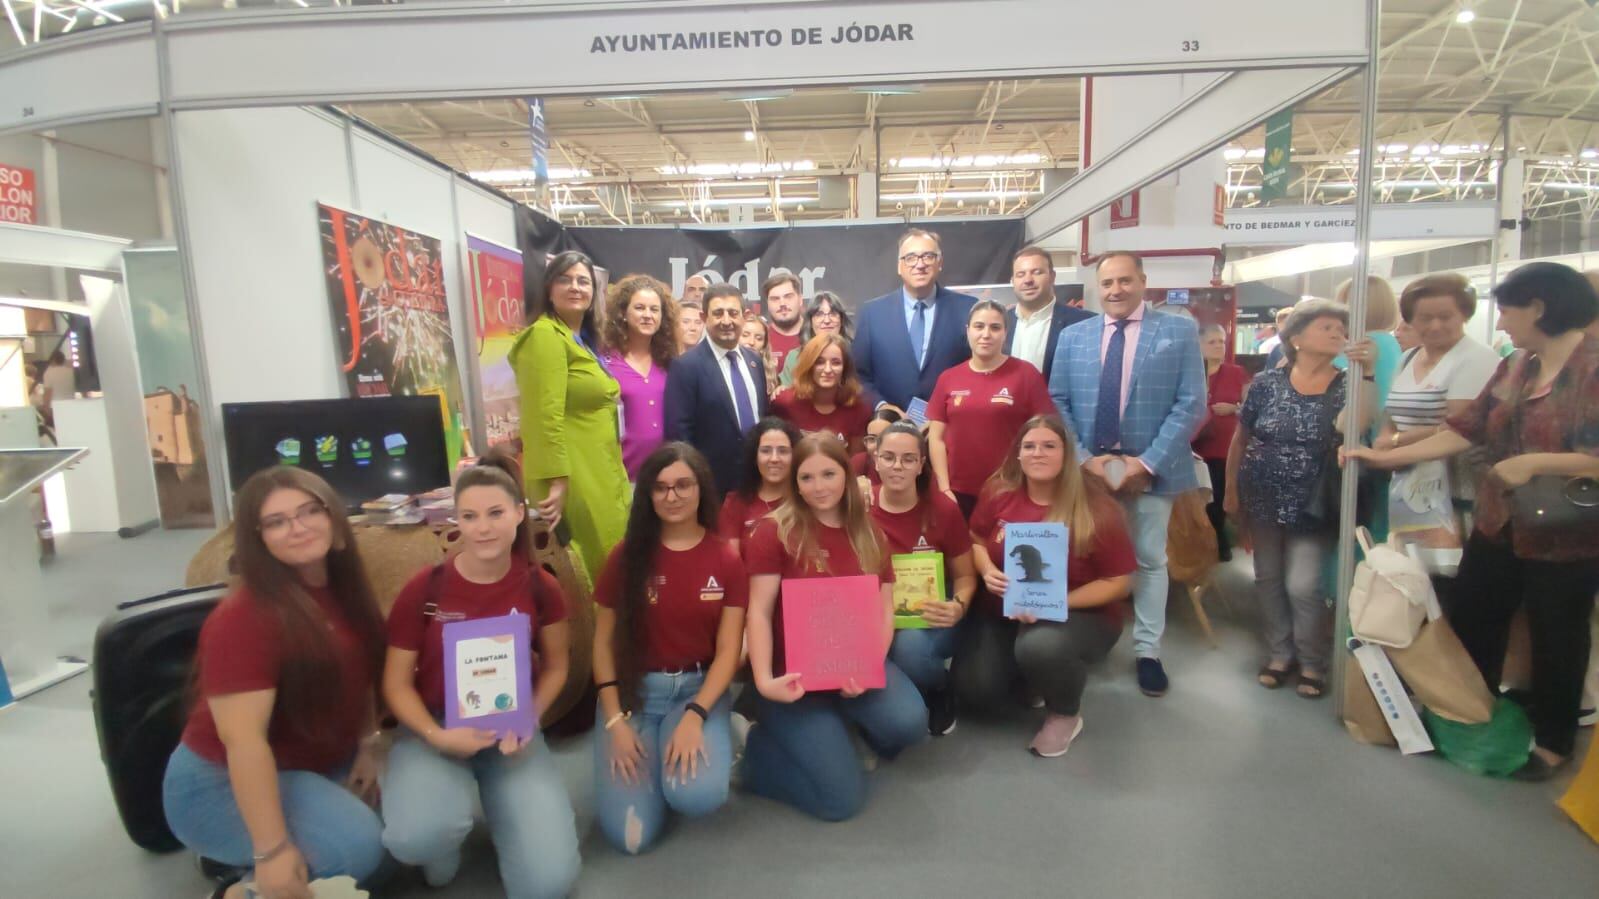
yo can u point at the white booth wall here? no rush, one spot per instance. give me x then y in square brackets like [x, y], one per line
[250, 180]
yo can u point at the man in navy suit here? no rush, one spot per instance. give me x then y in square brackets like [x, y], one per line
[716, 391]
[906, 339]
[1033, 325]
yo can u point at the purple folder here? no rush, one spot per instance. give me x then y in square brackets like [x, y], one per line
[488, 680]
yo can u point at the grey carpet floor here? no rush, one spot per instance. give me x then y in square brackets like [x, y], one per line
[1221, 789]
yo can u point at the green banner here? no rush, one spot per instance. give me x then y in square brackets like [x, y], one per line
[1274, 167]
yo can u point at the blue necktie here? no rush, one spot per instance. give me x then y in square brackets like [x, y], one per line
[919, 332]
[741, 395]
[1108, 414]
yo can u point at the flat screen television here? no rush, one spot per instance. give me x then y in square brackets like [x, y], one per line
[364, 448]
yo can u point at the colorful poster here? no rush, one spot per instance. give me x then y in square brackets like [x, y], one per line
[833, 631]
[1035, 570]
[496, 278]
[918, 580]
[1274, 174]
[488, 675]
[391, 317]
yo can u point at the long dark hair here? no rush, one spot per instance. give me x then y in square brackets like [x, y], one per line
[750, 482]
[555, 268]
[846, 325]
[310, 658]
[498, 468]
[639, 547]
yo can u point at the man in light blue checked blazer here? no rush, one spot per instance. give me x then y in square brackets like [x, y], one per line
[1131, 384]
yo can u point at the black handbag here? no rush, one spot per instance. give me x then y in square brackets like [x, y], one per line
[1326, 498]
[1551, 501]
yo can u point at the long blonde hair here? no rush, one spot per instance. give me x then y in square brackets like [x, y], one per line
[797, 526]
[1074, 496]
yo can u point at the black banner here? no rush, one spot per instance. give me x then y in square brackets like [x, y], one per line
[857, 262]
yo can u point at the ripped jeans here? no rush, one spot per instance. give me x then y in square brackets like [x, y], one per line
[632, 816]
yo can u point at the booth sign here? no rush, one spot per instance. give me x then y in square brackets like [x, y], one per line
[19, 202]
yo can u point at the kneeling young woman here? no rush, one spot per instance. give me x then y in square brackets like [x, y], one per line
[433, 771]
[799, 752]
[273, 768]
[919, 519]
[764, 485]
[1040, 481]
[668, 630]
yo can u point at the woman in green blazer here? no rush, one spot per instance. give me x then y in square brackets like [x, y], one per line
[572, 452]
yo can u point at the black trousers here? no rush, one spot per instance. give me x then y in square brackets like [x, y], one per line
[1051, 658]
[1492, 584]
[1218, 518]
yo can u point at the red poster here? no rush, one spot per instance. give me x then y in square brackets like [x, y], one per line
[833, 631]
[1219, 212]
[19, 202]
[497, 298]
[1124, 212]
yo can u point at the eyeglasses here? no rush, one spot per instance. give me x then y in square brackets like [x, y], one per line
[308, 515]
[909, 460]
[871, 441]
[683, 487]
[828, 314]
[927, 258]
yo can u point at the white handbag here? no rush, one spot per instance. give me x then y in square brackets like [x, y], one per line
[1391, 596]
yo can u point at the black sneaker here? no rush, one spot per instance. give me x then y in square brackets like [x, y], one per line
[940, 712]
[1152, 677]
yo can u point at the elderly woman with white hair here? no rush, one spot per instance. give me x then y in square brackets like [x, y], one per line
[1289, 427]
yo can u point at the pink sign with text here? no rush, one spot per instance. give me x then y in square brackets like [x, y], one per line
[833, 630]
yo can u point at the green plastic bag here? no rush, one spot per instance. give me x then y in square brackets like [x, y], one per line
[1496, 749]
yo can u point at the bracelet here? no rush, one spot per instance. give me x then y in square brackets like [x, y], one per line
[618, 717]
[699, 710]
[609, 683]
[273, 852]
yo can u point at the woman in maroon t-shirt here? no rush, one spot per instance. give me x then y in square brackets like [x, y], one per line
[826, 397]
[978, 405]
[918, 519]
[668, 628]
[1225, 384]
[1041, 481]
[800, 751]
[768, 463]
[278, 759]
[433, 771]
[864, 463]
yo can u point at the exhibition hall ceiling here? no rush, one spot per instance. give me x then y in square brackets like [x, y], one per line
[1450, 70]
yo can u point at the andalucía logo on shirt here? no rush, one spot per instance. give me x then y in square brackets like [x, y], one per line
[1003, 396]
[654, 588]
[712, 591]
[922, 545]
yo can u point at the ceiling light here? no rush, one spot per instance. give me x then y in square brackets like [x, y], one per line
[781, 93]
[749, 135]
[1465, 17]
[887, 90]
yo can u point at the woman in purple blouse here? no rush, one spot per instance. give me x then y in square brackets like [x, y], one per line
[640, 341]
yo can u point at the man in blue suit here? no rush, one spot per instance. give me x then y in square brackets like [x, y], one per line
[906, 339]
[1033, 325]
[716, 391]
[1131, 383]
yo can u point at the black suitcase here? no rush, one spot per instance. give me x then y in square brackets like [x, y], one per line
[143, 655]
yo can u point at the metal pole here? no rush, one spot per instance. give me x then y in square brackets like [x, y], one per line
[210, 410]
[1499, 200]
[1357, 329]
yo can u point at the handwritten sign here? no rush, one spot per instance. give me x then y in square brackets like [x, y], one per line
[918, 580]
[1035, 569]
[833, 631]
[488, 675]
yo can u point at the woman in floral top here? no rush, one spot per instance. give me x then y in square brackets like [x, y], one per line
[1539, 415]
[1287, 428]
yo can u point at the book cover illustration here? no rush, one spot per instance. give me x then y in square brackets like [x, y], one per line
[918, 579]
[833, 631]
[1035, 566]
[488, 679]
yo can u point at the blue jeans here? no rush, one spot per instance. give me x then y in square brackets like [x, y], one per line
[922, 652]
[800, 752]
[427, 814]
[632, 815]
[334, 831]
[1148, 516]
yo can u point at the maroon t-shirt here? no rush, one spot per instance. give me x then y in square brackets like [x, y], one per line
[834, 557]
[935, 525]
[739, 516]
[1111, 556]
[421, 611]
[780, 346]
[1225, 385]
[241, 651]
[687, 594]
[847, 422]
[981, 412]
[863, 463]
